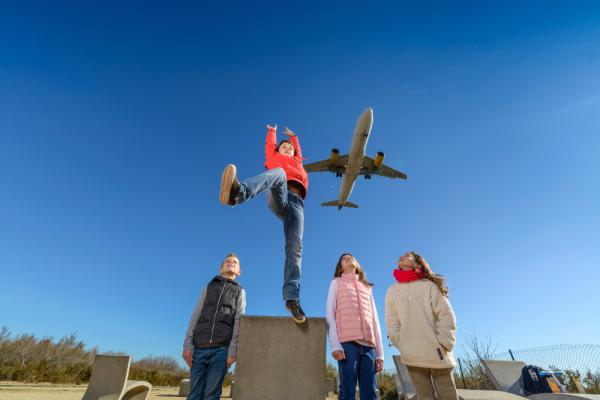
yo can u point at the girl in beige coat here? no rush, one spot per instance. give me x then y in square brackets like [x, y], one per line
[421, 324]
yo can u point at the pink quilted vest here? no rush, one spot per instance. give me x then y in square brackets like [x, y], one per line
[353, 314]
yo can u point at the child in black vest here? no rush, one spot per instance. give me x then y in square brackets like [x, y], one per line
[210, 343]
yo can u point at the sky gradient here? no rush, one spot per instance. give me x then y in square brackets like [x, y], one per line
[116, 120]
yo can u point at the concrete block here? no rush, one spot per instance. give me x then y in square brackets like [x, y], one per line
[279, 360]
[404, 385]
[184, 388]
[506, 375]
[330, 386]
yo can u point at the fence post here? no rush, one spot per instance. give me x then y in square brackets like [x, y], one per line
[461, 373]
[511, 354]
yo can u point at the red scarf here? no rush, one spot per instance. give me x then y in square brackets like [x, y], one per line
[408, 276]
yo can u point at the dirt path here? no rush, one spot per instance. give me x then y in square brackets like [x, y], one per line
[48, 391]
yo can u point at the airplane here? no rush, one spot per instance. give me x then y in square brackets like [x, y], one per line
[351, 165]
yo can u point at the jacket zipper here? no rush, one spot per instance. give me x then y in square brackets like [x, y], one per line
[212, 331]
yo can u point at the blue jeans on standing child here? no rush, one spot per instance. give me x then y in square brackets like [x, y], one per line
[209, 367]
[288, 207]
[359, 364]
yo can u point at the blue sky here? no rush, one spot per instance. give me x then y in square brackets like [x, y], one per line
[116, 120]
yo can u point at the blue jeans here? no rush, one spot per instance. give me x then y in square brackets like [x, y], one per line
[288, 207]
[359, 364]
[209, 367]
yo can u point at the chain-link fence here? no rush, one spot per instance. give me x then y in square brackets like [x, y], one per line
[583, 357]
[579, 363]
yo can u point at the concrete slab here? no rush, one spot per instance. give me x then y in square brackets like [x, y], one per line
[330, 386]
[506, 375]
[465, 394]
[279, 360]
[184, 388]
[404, 385]
[564, 396]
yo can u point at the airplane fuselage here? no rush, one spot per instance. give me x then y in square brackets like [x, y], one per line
[356, 155]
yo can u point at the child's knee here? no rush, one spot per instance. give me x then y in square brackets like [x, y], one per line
[279, 173]
[294, 246]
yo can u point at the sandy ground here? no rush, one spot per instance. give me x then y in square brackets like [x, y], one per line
[48, 391]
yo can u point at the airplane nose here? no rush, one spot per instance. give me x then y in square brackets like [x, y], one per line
[366, 118]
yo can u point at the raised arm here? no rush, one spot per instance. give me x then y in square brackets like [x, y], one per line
[295, 142]
[271, 141]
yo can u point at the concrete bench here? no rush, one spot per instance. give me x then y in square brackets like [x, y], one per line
[109, 380]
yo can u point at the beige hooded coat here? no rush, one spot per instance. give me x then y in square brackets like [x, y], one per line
[421, 324]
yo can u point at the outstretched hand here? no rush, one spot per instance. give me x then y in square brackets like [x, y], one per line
[272, 127]
[288, 132]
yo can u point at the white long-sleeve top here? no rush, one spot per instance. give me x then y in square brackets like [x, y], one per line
[332, 333]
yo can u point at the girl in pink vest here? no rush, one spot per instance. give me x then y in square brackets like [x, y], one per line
[353, 329]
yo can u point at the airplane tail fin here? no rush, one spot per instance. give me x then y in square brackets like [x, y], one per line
[335, 203]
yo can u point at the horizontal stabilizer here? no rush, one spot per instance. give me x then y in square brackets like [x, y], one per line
[335, 203]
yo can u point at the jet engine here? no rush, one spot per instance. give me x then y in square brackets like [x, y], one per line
[378, 159]
[335, 155]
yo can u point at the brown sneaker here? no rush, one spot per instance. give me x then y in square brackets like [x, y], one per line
[230, 186]
[297, 313]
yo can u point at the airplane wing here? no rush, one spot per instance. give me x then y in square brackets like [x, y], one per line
[339, 167]
[369, 168]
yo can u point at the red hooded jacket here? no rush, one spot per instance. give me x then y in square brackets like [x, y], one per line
[291, 165]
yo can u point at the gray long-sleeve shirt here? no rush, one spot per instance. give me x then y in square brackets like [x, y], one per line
[240, 308]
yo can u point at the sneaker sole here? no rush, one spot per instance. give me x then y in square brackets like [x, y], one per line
[227, 180]
[299, 321]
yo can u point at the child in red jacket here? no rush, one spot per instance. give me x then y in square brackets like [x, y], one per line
[286, 183]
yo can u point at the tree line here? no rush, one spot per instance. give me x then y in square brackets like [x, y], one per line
[26, 358]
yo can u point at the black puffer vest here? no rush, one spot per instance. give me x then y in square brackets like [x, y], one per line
[215, 324]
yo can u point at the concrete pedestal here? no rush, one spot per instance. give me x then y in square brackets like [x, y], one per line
[279, 360]
[184, 388]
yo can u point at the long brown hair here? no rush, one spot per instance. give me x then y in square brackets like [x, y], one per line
[439, 280]
[359, 271]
